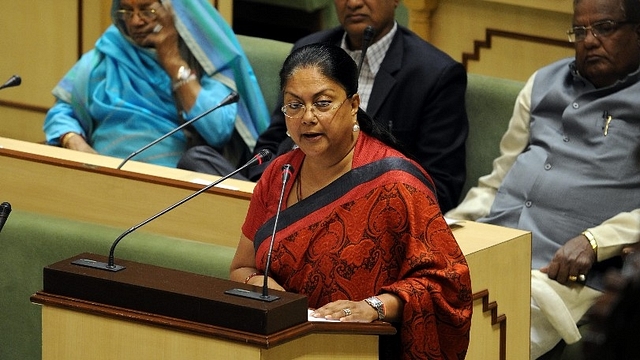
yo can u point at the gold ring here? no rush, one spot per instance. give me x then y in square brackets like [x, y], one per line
[346, 311]
[579, 278]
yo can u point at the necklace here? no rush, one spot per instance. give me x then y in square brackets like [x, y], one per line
[298, 184]
[299, 187]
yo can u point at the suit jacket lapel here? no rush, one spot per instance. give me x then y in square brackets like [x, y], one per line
[385, 79]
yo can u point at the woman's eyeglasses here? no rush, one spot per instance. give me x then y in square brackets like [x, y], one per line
[320, 109]
[144, 14]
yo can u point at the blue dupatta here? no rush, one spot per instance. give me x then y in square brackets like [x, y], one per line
[121, 81]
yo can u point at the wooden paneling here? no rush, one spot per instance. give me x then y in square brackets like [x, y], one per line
[511, 50]
[456, 26]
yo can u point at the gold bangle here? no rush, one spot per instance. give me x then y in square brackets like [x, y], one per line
[64, 139]
[592, 241]
[250, 276]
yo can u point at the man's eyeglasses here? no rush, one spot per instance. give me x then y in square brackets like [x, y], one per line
[600, 29]
[320, 109]
[145, 14]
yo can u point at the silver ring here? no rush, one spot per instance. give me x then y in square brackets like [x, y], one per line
[346, 311]
[157, 28]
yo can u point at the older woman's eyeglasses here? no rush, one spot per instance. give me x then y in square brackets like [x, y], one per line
[600, 29]
[321, 109]
[144, 14]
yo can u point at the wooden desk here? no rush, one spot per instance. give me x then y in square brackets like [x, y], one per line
[88, 187]
[499, 261]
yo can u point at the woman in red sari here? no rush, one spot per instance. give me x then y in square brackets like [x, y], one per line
[360, 232]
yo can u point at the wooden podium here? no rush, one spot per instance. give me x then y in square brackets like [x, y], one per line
[150, 312]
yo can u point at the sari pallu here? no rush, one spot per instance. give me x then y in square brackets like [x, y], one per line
[377, 229]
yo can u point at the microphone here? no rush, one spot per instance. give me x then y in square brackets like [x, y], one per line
[287, 171]
[230, 99]
[367, 36]
[14, 80]
[262, 156]
[5, 209]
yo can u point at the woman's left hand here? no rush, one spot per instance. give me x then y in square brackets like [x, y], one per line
[346, 310]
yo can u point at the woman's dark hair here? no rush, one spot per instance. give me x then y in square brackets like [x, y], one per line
[334, 63]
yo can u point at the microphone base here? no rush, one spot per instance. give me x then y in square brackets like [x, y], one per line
[98, 265]
[251, 295]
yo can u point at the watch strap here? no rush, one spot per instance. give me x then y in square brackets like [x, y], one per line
[378, 305]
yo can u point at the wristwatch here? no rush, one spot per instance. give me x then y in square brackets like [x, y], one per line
[376, 304]
[183, 73]
[184, 76]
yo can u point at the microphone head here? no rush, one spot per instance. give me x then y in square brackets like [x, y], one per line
[15, 80]
[5, 208]
[287, 172]
[369, 32]
[263, 155]
[233, 97]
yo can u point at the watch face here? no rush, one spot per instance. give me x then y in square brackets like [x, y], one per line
[378, 305]
[183, 73]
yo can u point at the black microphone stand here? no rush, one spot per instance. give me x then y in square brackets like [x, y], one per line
[287, 169]
[230, 99]
[263, 155]
[367, 36]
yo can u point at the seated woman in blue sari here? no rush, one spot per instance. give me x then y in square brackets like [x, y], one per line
[159, 65]
[361, 233]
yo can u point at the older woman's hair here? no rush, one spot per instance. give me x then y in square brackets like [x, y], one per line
[335, 64]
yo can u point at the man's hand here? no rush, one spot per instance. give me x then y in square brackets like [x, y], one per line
[573, 259]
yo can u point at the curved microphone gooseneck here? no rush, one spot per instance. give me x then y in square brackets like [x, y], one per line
[230, 99]
[262, 156]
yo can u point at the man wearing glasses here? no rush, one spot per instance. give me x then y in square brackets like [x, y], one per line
[570, 169]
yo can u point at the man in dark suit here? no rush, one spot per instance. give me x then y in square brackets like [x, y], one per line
[406, 84]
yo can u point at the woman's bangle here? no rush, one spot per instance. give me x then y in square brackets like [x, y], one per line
[64, 139]
[178, 84]
[252, 275]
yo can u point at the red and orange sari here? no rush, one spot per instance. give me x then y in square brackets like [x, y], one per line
[376, 229]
